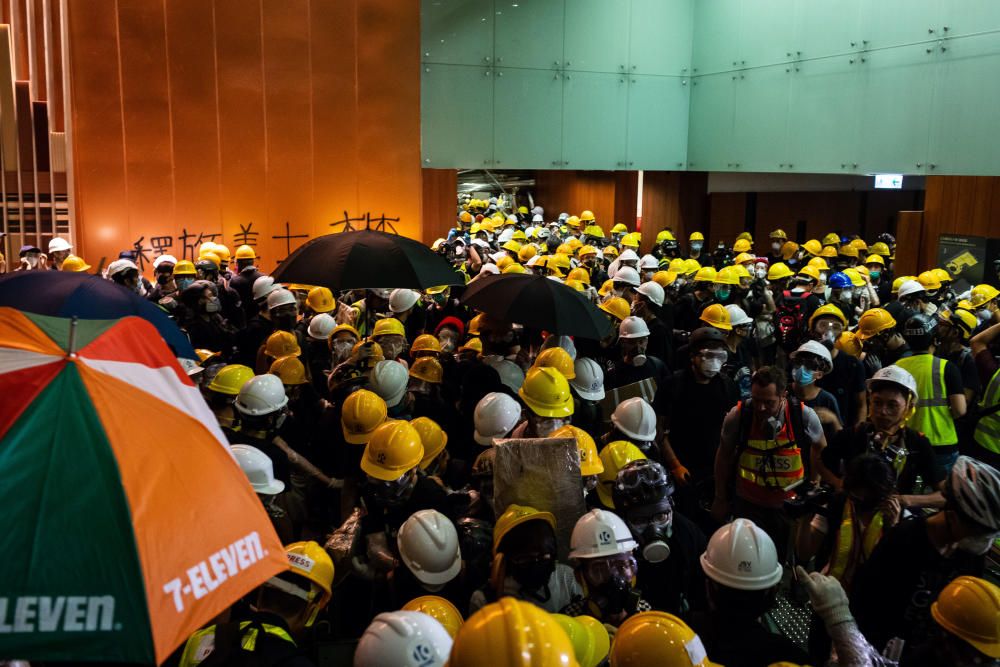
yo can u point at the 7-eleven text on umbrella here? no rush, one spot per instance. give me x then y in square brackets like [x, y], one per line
[204, 577]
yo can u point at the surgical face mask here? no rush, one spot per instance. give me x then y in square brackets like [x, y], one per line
[978, 546]
[722, 294]
[213, 305]
[846, 295]
[822, 276]
[711, 363]
[392, 349]
[184, 282]
[803, 375]
[545, 425]
[696, 246]
[342, 350]
[776, 246]
[32, 259]
[874, 275]
[761, 274]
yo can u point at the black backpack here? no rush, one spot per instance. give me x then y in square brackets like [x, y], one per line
[790, 320]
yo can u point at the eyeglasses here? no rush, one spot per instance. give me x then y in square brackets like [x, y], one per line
[810, 362]
[600, 570]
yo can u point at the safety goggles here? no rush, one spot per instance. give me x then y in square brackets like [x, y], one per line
[713, 355]
[600, 570]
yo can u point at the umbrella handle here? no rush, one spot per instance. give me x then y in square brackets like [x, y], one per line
[72, 337]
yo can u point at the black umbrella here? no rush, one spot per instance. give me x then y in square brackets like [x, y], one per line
[537, 302]
[366, 259]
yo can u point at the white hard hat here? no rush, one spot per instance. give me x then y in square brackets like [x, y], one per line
[635, 418]
[403, 639]
[896, 375]
[495, 416]
[563, 341]
[538, 210]
[321, 326]
[261, 395]
[263, 286]
[543, 233]
[589, 380]
[498, 255]
[479, 243]
[648, 262]
[910, 287]
[489, 268]
[280, 297]
[381, 292]
[506, 235]
[510, 373]
[816, 348]
[401, 300]
[164, 259]
[534, 260]
[742, 556]
[257, 466]
[738, 316]
[600, 533]
[627, 275]
[537, 218]
[428, 544]
[652, 291]
[120, 265]
[190, 366]
[628, 255]
[633, 327]
[975, 488]
[58, 244]
[389, 380]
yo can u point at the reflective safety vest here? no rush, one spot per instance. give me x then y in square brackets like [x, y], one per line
[767, 467]
[848, 554]
[987, 433]
[202, 643]
[933, 415]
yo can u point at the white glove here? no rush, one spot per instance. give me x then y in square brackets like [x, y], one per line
[827, 596]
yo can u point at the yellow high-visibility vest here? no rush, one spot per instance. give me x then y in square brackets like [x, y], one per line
[933, 415]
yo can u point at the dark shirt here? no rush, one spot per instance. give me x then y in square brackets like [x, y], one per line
[736, 641]
[852, 442]
[825, 399]
[967, 368]
[622, 374]
[845, 382]
[693, 416]
[676, 584]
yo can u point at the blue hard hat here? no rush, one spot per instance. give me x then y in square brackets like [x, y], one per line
[839, 280]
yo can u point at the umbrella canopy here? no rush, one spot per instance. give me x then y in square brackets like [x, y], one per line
[366, 259]
[538, 302]
[127, 522]
[86, 297]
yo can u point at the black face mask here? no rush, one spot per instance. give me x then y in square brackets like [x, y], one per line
[614, 596]
[162, 278]
[284, 322]
[534, 575]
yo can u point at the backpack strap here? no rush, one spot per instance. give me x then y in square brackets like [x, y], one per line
[746, 420]
[795, 413]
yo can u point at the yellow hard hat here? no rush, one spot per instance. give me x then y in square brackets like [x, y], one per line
[964, 320]
[717, 316]
[664, 278]
[231, 379]
[573, 221]
[388, 326]
[619, 228]
[205, 248]
[859, 245]
[778, 234]
[742, 245]
[585, 251]
[745, 236]
[898, 281]
[519, 235]
[211, 257]
[692, 267]
[546, 392]
[942, 275]
[848, 343]
[474, 344]
[788, 249]
[831, 239]
[705, 274]
[580, 274]
[819, 263]
[606, 288]
[657, 638]
[424, 344]
[742, 271]
[433, 438]
[394, 449]
[185, 267]
[512, 632]
[855, 276]
[744, 258]
[514, 516]
[290, 370]
[594, 231]
[512, 246]
[779, 270]
[223, 253]
[575, 284]
[587, 216]
[696, 236]
[614, 457]
[574, 243]
[310, 561]
[465, 217]
[526, 252]
[321, 300]
[564, 249]
[879, 248]
[363, 412]
[206, 356]
[523, 210]
[504, 262]
[875, 259]
[514, 268]
[474, 325]
[560, 260]
[929, 280]
[873, 322]
[617, 308]
[828, 251]
[664, 235]
[557, 358]
[282, 344]
[74, 263]
[476, 228]
[727, 275]
[344, 327]
[245, 252]
[827, 310]
[588, 636]
[427, 369]
[590, 462]
[982, 294]
[813, 247]
[969, 608]
[611, 251]
[631, 240]
[440, 609]
[848, 251]
[677, 265]
[810, 272]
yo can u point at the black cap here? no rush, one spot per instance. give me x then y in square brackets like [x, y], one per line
[705, 337]
[918, 332]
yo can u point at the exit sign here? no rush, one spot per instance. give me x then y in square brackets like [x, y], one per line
[889, 181]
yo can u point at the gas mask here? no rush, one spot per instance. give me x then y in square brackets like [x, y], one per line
[545, 425]
[773, 424]
[162, 278]
[447, 343]
[846, 295]
[342, 350]
[421, 387]
[395, 492]
[984, 315]
[634, 353]
[653, 538]
[874, 275]
[271, 506]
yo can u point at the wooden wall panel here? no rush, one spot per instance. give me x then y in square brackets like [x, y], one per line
[726, 218]
[675, 201]
[958, 205]
[576, 191]
[440, 187]
[910, 236]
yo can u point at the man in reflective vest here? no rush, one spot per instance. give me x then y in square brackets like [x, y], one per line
[940, 392]
[769, 445]
[287, 604]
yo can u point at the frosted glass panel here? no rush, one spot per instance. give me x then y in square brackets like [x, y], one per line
[594, 115]
[456, 31]
[660, 37]
[711, 123]
[529, 33]
[657, 122]
[760, 124]
[456, 132]
[827, 27]
[596, 35]
[527, 126]
[823, 115]
[716, 35]
[767, 32]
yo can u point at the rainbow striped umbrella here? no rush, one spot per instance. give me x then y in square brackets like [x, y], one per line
[127, 524]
